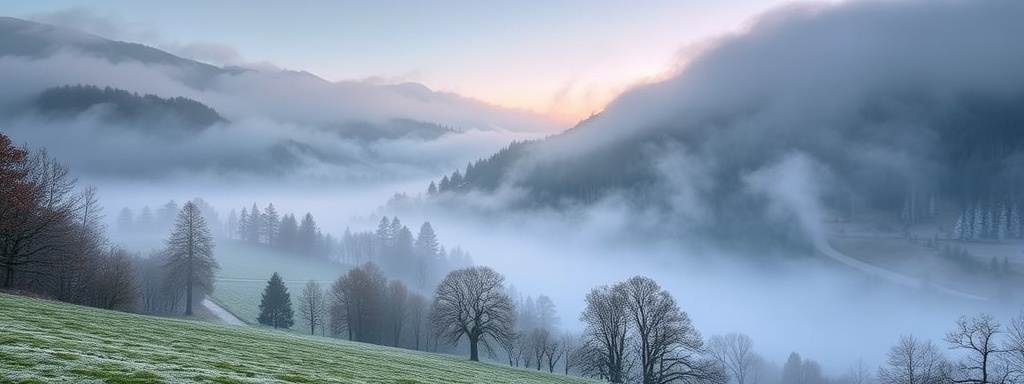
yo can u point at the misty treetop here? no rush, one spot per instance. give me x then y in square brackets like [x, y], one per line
[146, 112]
[264, 226]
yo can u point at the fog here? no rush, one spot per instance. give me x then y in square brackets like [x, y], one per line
[807, 100]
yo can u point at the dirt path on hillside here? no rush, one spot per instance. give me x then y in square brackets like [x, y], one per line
[825, 249]
[221, 313]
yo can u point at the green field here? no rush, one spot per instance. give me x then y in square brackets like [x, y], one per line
[49, 342]
[246, 268]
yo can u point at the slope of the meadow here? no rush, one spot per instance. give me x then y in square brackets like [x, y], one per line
[245, 269]
[49, 342]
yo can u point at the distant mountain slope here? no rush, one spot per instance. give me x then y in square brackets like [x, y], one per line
[269, 122]
[146, 112]
[800, 110]
[36, 40]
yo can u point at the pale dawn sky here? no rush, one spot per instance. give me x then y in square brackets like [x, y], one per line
[561, 58]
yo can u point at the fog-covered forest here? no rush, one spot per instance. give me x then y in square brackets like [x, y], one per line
[823, 193]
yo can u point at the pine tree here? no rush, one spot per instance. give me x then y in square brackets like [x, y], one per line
[382, 238]
[243, 224]
[190, 248]
[456, 180]
[432, 189]
[255, 224]
[276, 304]
[444, 185]
[271, 223]
[287, 234]
[307, 236]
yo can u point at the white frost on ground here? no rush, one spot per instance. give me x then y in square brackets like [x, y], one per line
[224, 315]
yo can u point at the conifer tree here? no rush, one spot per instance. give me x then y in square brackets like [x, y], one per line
[271, 223]
[276, 304]
[243, 224]
[190, 251]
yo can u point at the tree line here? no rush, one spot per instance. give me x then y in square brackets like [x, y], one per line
[283, 232]
[53, 244]
[145, 110]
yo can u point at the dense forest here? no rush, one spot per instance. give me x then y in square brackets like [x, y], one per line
[144, 112]
[907, 155]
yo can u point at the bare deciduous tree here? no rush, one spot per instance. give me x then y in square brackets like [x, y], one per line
[605, 335]
[912, 361]
[570, 346]
[735, 352]
[113, 283]
[977, 336]
[667, 343]
[190, 248]
[417, 309]
[472, 302]
[37, 206]
[858, 373]
[357, 300]
[1014, 347]
[313, 305]
[397, 298]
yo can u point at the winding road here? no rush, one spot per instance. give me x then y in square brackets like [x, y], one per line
[825, 249]
[221, 313]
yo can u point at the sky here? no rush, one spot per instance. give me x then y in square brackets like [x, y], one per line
[565, 59]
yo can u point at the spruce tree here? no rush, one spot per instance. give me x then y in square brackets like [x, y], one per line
[276, 305]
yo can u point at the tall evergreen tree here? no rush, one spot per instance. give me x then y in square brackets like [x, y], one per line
[271, 223]
[190, 249]
[425, 249]
[383, 237]
[255, 224]
[307, 236]
[243, 224]
[288, 232]
[276, 304]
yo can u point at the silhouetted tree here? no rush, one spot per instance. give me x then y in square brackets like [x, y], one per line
[306, 236]
[912, 361]
[190, 248]
[357, 304]
[668, 345]
[977, 336]
[276, 304]
[288, 233]
[313, 305]
[472, 302]
[735, 352]
[607, 323]
[37, 204]
[271, 223]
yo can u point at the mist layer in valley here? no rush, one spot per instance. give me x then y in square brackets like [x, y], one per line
[895, 122]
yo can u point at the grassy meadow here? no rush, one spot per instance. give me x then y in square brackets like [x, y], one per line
[49, 342]
[246, 268]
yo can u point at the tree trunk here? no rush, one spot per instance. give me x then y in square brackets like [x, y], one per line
[473, 350]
